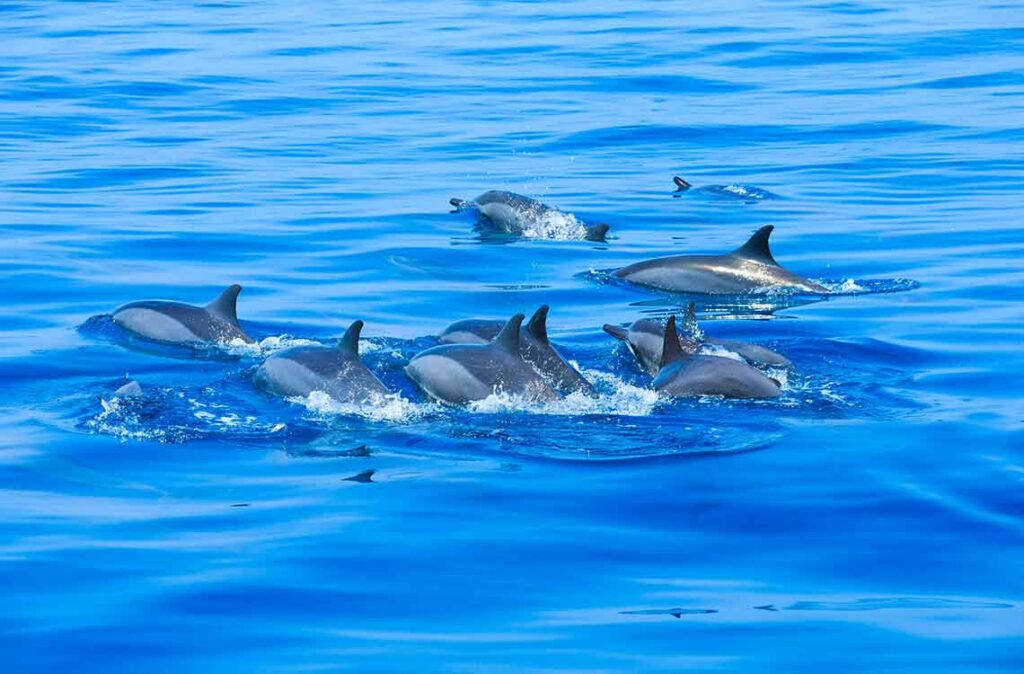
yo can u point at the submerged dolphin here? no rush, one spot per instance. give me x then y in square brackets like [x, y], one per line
[534, 346]
[177, 323]
[683, 375]
[338, 371]
[749, 267]
[462, 373]
[645, 338]
[749, 193]
[515, 214]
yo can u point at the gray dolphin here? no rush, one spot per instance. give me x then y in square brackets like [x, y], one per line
[748, 193]
[683, 375]
[462, 373]
[339, 372]
[515, 214]
[177, 323]
[645, 338]
[534, 346]
[749, 267]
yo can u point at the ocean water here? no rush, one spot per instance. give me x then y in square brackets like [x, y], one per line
[869, 520]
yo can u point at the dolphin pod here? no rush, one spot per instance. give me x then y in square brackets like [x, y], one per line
[477, 358]
[462, 373]
[683, 375]
[645, 339]
[534, 346]
[514, 214]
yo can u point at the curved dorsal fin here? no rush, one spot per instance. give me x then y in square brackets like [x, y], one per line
[508, 338]
[538, 325]
[670, 349]
[756, 247]
[681, 184]
[225, 306]
[349, 342]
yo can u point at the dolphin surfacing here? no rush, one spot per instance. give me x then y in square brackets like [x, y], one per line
[748, 268]
[464, 373]
[339, 372]
[645, 338]
[683, 375]
[185, 324]
[517, 215]
[534, 346]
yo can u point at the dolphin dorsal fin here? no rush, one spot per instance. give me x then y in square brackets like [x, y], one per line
[508, 338]
[538, 325]
[225, 306]
[617, 332]
[681, 184]
[670, 349]
[756, 247]
[349, 342]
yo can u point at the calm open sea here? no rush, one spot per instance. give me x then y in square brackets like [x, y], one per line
[870, 520]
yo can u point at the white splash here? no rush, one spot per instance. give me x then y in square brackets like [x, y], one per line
[265, 346]
[391, 408]
[615, 397]
[554, 225]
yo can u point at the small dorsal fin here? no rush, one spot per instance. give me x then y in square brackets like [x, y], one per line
[225, 306]
[538, 325]
[756, 248]
[681, 184]
[617, 332]
[349, 342]
[597, 232]
[508, 338]
[670, 349]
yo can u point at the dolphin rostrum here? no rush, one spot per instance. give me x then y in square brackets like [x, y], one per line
[339, 371]
[683, 375]
[749, 267]
[534, 346]
[177, 323]
[462, 373]
[515, 214]
[645, 338]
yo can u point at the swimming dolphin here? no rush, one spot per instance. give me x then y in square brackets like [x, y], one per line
[462, 373]
[748, 193]
[534, 346]
[177, 323]
[515, 214]
[337, 371]
[645, 338]
[748, 268]
[683, 375]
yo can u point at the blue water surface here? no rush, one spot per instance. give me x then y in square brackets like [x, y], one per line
[869, 520]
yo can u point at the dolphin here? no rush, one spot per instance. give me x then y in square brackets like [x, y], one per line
[337, 371]
[683, 375]
[515, 214]
[748, 268]
[177, 323]
[534, 346]
[749, 193]
[646, 335]
[462, 373]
